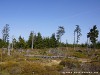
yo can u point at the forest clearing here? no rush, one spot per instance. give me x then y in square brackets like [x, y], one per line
[49, 37]
[72, 61]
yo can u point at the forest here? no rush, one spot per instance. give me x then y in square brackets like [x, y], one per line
[49, 55]
[54, 41]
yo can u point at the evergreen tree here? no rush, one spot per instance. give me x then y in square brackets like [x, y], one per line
[2, 43]
[93, 35]
[38, 43]
[46, 42]
[29, 42]
[53, 41]
[21, 42]
[98, 45]
[15, 43]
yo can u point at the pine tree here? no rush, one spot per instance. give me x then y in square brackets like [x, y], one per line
[53, 41]
[93, 35]
[46, 42]
[38, 43]
[29, 42]
[2, 43]
[21, 42]
[15, 45]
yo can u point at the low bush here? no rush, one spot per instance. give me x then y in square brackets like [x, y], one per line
[79, 55]
[70, 63]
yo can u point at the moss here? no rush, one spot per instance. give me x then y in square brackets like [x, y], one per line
[79, 55]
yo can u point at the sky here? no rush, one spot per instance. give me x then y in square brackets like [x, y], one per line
[44, 16]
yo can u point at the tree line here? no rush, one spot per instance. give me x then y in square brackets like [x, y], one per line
[34, 41]
[38, 41]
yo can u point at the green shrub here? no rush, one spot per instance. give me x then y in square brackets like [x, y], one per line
[79, 55]
[70, 63]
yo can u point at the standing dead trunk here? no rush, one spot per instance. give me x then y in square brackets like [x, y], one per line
[74, 40]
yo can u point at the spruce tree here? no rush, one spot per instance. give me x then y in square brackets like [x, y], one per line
[93, 35]
[53, 41]
[38, 41]
[21, 42]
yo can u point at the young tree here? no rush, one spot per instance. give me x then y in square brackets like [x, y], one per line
[15, 43]
[38, 43]
[46, 42]
[60, 32]
[2, 43]
[53, 41]
[5, 33]
[98, 45]
[21, 43]
[31, 40]
[93, 35]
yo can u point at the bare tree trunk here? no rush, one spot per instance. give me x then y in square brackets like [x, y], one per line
[74, 40]
[60, 42]
[94, 46]
[77, 42]
[12, 42]
[89, 45]
[8, 49]
[32, 40]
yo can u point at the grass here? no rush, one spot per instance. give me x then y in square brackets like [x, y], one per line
[18, 64]
[79, 55]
